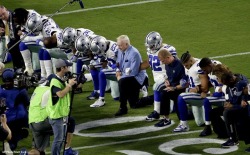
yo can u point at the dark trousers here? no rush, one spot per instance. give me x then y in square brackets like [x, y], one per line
[166, 96]
[129, 91]
[19, 131]
[236, 120]
[218, 123]
[16, 56]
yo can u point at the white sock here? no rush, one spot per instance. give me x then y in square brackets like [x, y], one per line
[208, 122]
[27, 58]
[184, 123]
[48, 67]
[157, 106]
[43, 72]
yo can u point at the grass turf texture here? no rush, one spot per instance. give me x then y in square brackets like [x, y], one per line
[205, 28]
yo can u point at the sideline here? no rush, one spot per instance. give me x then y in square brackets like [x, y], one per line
[106, 7]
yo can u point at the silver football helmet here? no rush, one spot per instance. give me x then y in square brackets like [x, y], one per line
[82, 43]
[98, 45]
[34, 23]
[153, 41]
[69, 35]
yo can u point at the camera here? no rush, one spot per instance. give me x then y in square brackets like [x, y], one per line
[79, 78]
[2, 105]
[22, 80]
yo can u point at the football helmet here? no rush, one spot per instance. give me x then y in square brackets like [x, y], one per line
[98, 45]
[34, 23]
[82, 43]
[69, 35]
[153, 41]
[82, 31]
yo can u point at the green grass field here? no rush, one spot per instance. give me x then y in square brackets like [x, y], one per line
[204, 28]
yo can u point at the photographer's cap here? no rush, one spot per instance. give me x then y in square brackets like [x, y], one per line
[8, 74]
[62, 63]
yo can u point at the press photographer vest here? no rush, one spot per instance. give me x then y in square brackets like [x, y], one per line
[17, 111]
[61, 107]
[37, 113]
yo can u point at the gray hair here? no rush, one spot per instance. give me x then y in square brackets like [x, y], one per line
[124, 38]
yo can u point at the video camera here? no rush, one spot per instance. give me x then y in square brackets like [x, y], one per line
[22, 80]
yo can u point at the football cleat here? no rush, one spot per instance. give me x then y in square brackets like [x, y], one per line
[70, 151]
[153, 116]
[42, 80]
[93, 95]
[181, 128]
[98, 103]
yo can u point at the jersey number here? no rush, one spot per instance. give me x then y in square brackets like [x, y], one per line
[154, 62]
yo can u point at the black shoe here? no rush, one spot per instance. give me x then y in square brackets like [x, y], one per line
[153, 116]
[207, 131]
[121, 112]
[229, 143]
[163, 122]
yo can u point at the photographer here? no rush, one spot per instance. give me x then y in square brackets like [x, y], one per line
[17, 101]
[39, 122]
[13, 28]
[58, 107]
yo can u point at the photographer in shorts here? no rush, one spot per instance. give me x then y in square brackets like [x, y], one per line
[58, 107]
[17, 101]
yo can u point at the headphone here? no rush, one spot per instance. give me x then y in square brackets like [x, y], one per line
[8, 74]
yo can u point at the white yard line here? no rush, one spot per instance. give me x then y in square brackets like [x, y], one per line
[230, 55]
[106, 7]
[136, 140]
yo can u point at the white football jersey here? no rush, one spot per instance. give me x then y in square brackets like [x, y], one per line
[83, 31]
[32, 13]
[49, 27]
[193, 74]
[111, 54]
[158, 68]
